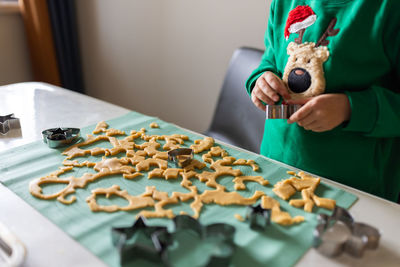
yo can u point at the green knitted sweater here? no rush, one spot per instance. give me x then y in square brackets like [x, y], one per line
[364, 64]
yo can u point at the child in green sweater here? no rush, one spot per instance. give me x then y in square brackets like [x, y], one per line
[339, 59]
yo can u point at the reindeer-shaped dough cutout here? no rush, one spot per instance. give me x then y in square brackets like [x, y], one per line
[304, 72]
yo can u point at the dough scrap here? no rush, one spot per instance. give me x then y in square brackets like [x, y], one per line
[215, 151]
[284, 189]
[306, 184]
[194, 164]
[239, 217]
[171, 173]
[102, 126]
[145, 164]
[326, 203]
[223, 198]
[305, 181]
[135, 202]
[119, 146]
[306, 202]
[239, 181]
[154, 125]
[75, 163]
[202, 145]
[106, 167]
[248, 162]
[277, 215]
[151, 149]
[174, 141]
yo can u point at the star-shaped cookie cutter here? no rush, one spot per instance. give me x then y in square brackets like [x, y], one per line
[155, 243]
[283, 111]
[141, 241]
[58, 137]
[258, 217]
[339, 233]
[8, 122]
[182, 157]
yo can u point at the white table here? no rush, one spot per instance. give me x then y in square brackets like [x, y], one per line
[40, 106]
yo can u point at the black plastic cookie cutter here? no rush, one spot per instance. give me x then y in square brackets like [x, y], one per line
[8, 122]
[283, 111]
[58, 137]
[339, 233]
[182, 157]
[156, 244]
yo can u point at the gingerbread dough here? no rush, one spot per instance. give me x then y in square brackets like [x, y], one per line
[149, 156]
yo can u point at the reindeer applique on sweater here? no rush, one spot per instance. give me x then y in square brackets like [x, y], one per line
[304, 72]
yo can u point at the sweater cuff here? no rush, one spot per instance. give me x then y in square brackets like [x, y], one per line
[364, 111]
[250, 83]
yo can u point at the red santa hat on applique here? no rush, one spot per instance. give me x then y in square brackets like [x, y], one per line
[299, 18]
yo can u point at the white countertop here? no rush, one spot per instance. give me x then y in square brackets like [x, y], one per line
[40, 106]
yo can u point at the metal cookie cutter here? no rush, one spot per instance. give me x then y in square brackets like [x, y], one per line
[12, 251]
[181, 156]
[141, 241]
[281, 111]
[219, 236]
[156, 243]
[58, 137]
[8, 122]
[339, 233]
[259, 217]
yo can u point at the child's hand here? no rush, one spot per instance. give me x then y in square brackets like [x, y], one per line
[267, 89]
[321, 113]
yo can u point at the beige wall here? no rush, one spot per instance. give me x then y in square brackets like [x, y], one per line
[14, 56]
[165, 58]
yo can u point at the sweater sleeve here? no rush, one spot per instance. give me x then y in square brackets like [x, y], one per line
[376, 111]
[268, 59]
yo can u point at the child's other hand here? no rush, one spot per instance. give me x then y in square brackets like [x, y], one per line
[267, 89]
[321, 113]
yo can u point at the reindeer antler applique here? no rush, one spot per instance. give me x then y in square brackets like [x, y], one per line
[330, 31]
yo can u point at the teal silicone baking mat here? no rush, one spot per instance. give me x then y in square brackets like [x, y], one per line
[276, 246]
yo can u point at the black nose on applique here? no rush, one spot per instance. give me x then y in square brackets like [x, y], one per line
[299, 80]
